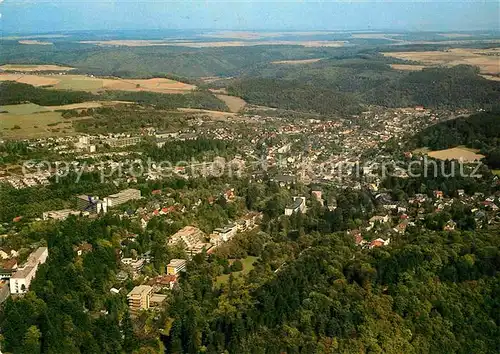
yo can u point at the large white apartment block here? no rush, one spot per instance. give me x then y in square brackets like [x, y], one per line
[21, 279]
[122, 197]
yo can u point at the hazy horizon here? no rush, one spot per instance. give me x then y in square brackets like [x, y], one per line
[29, 16]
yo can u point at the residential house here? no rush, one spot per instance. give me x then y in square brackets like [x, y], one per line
[82, 248]
[378, 219]
[162, 282]
[379, 242]
[438, 194]
[450, 226]
[135, 264]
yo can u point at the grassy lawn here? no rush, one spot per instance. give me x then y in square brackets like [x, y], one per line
[496, 172]
[247, 267]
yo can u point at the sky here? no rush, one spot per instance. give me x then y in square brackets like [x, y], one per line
[39, 16]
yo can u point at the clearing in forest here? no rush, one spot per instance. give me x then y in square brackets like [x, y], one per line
[247, 267]
[234, 103]
[298, 61]
[457, 153]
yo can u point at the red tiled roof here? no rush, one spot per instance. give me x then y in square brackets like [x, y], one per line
[376, 243]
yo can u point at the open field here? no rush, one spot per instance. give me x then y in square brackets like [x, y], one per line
[457, 153]
[248, 35]
[34, 41]
[247, 267]
[234, 103]
[207, 112]
[215, 44]
[488, 60]
[299, 61]
[22, 109]
[455, 35]
[407, 67]
[29, 108]
[386, 36]
[42, 124]
[491, 77]
[33, 80]
[36, 36]
[94, 84]
[216, 115]
[30, 68]
[85, 105]
[29, 120]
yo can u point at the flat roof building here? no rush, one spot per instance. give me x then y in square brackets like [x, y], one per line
[298, 205]
[175, 266]
[138, 299]
[20, 281]
[60, 214]
[122, 197]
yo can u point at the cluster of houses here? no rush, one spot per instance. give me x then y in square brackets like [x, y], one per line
[394, 217]
[27, 180]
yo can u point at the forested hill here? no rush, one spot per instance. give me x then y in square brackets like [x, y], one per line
[15, 93]
[431, 293]
[343, 86]
[480, 131]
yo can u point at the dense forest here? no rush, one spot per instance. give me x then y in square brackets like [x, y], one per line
[125, 118]
[426, 292]
[156, 61]
[342, 86]
[419, 295]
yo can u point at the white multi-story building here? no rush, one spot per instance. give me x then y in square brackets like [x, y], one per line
[21, 279]
[175, 266]
[122, 197]
[227, 232]
[138, 299]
